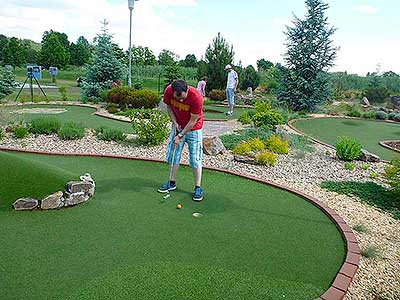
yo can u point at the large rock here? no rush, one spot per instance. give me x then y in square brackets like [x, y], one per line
[395, 100]
[53, 201]
[368, 157]
[365, 101]
[247, 159]
[213, 146]
[75, 198]
[84, 187]
[25, 204]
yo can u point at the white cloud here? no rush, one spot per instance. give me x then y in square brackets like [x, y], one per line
[365, 9]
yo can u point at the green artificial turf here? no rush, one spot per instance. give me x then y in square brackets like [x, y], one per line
[77, 114]
[369, 133]
[254, 241]
[212, 112]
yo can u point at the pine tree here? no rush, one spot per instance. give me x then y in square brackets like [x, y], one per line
[249, 78]
[80, 52]
[7, 81]
[105, 68]
[218, 55]
[310, 54]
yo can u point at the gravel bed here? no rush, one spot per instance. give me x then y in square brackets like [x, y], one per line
[377, 275]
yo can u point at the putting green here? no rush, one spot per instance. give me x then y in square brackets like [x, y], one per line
[78, 114]
[213, 112]
[253, 242]
[369, 133]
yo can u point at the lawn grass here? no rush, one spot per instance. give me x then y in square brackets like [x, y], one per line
[77, 114]
[254, 241]
[369, 133]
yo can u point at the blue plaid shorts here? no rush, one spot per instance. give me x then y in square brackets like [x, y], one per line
[194, 139]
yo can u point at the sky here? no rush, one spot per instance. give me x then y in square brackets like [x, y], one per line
[368, 31]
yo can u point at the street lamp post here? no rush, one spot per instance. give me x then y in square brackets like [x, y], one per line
[131, 5]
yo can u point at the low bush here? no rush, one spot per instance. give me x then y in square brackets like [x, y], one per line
[377, 94]
[218, 95]
[266, 158]
[231, 140]
[349, 166]
[44, 125]
[381, 115]
[348, 149]
[245, 118]
[301, 143]
[369, 115]
[355, 113]
[269, 118]
[128, 97]
[71, 131]
[391, 116]
[151, 126]
[360, 228]
[277, 145]
[396, 118]
[392, 175]
[20, 131]
[112, 108]
[63, 92]
[370, 252]
[373, 175]
[110, 134]
[365, 167]
[256, 144]
[2, 134]
[242, 148]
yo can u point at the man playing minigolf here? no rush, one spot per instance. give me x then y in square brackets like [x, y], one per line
[185, 108]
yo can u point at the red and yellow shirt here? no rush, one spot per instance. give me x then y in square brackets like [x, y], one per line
[193, 104]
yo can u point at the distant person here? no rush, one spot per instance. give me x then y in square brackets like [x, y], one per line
[231, 86]
[79, 81]
[201, 86]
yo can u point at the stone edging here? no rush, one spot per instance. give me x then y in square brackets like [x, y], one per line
[384, 144]
[343, 279]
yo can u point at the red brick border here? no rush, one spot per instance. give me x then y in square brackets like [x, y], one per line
[343, 279]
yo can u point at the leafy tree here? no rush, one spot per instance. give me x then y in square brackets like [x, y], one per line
[105, 67]
[310, 53]
[14, 52]
[263, 64]
[167, 57]
[218, 55]
[80, 52]
[190, 61]
[55, 49]
[202, 69]
[172, 72]
[143, 56]
[249, 78]
[7, 81]
[3, 43]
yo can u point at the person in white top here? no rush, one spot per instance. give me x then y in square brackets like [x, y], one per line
[231, 86]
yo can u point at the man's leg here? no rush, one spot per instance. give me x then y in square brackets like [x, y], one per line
[195, 143]
[197, 175]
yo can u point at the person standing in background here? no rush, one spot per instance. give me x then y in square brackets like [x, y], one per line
[231, 86]
[201, 86]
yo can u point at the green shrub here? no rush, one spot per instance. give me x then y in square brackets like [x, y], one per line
[44, 125]
[365, 167]
[369, 115]
[381, 115]
[377, 94]
[71, 131]
[2, 134]
[20, 131]
[355, 113]
[231, 140]
[269, 119]
[218, 95]
[360, 228]
[256, 144]
[110, 134]
[278, 146]
[152, 128]
[373, 175]
[63, 92]
[128, 97]
[242, 148]
[301, 143]
[245, 118]
[392, 175]
[266, 158]
[349, 166]
[348, 149]
[391, 116]
[397, 118]
[112, 108]
[370, 252]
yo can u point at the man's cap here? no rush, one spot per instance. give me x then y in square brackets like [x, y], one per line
[228, 67]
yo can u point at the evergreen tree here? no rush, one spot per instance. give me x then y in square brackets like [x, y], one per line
[310, 53]
[105, 67]
[167, 58]
[7, 82]
[172, 72]
[143, 56]
[218, 55]
[190, 61]
[249, 78]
